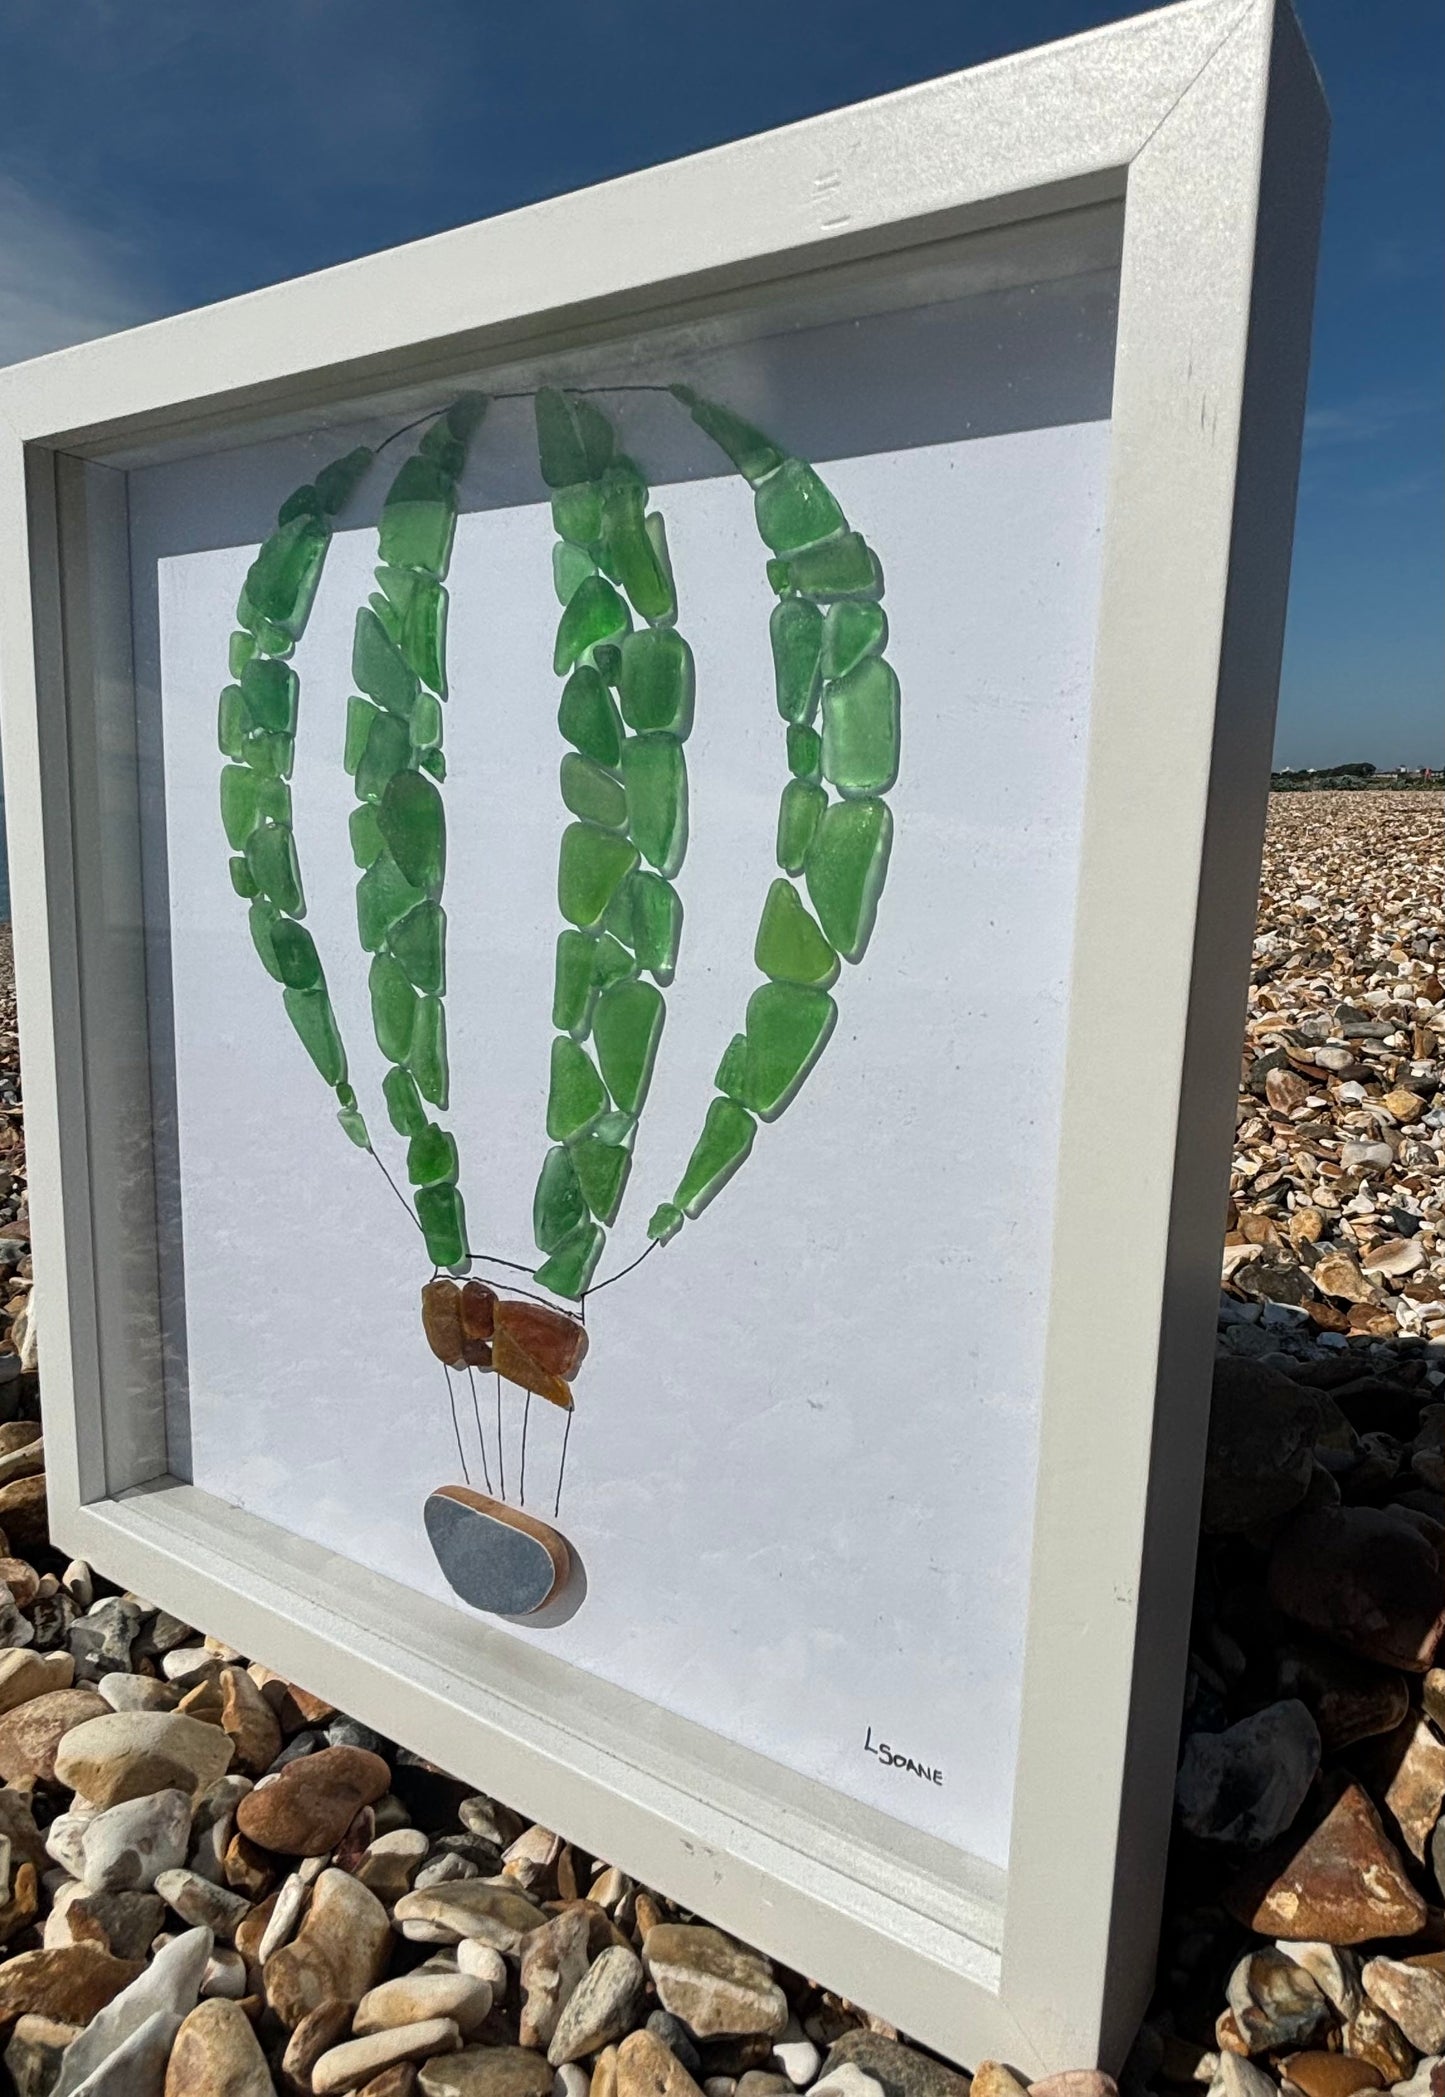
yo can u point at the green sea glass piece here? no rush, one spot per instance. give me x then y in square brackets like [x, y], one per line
[627, 1027]
[577, 513]
[575, 1094]
[610, 961]
[419, 517]
[796, 631]
[798, 812]
[628, 550]
[239, 650]
[281, 581]
[379, 666]
[274, 640]
[727, 1137]
[427, 1060]
[570, 569]
[423, 637]
[852, 630]
[301, 502]
[240, 804]
[655, 775]
[790, 945]
[591, 793]
[388, 749]
[393, 1008]
[778, 576]
[383, 898]
[366, 839]
[656, 686]
[242, 879]
[845, 869]
[656, 911]
[268, 692]
[592, 865]
[573, 1264]
[615, 1127]
[412, 821]
[601, 1170]
[558, 1205]
[360, 713]
[732, 1071]
[426, 723]
[431, 1155]
[309, 1012]
[805, 753]
[271, 856]
[572, 985]
[593, 613]
[561, 447]
[607, 660]
[665, 1222]
[354, 1127]
[596, 433]
[656, 531]
[262, 919]
[433, 762]
[232, 722]
[787, 1028]
[861, 729]
[443, 1221]
[418, 943]
[748, 448]
[273, 756]
[398, 588]
[588, 717]
[841, 567]
[297, 961]
[336, 483]
[403, 1103]
[795, 509]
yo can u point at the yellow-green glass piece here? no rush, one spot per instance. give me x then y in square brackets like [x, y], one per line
[610, 961]
[788, 1026]
[575, 1095]
[626, 1027]
[571, 567]
[628, 551]
[577, 513]
[592, 865]
[239, 650]
[665, 1222]
[727, 1137]
[845, 869]
[861, 729]
[841, 567]
[232, 722]
[805, 753]
[790, 946]
[423, 636]
[748, 448]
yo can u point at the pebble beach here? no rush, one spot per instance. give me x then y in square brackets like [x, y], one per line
[215, 1884]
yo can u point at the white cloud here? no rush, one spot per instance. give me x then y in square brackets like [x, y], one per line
[61, 281]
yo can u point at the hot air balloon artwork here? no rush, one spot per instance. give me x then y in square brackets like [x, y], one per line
[624, 715]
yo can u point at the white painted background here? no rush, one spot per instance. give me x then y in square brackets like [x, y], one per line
[801, 1470]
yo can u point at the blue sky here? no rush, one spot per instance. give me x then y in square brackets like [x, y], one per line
[154, 157]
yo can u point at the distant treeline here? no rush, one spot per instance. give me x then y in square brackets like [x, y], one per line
[1354, 779]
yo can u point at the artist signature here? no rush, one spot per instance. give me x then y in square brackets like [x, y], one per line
[891, 1758]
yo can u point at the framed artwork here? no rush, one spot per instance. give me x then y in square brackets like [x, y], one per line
[633, 839]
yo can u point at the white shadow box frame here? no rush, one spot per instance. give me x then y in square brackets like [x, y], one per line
[1205, 121]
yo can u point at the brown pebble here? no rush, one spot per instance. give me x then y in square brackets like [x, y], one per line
[70, 1983]
[31, 1734]
[23, 1515]
[1331, 2074]
[306, 1809]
